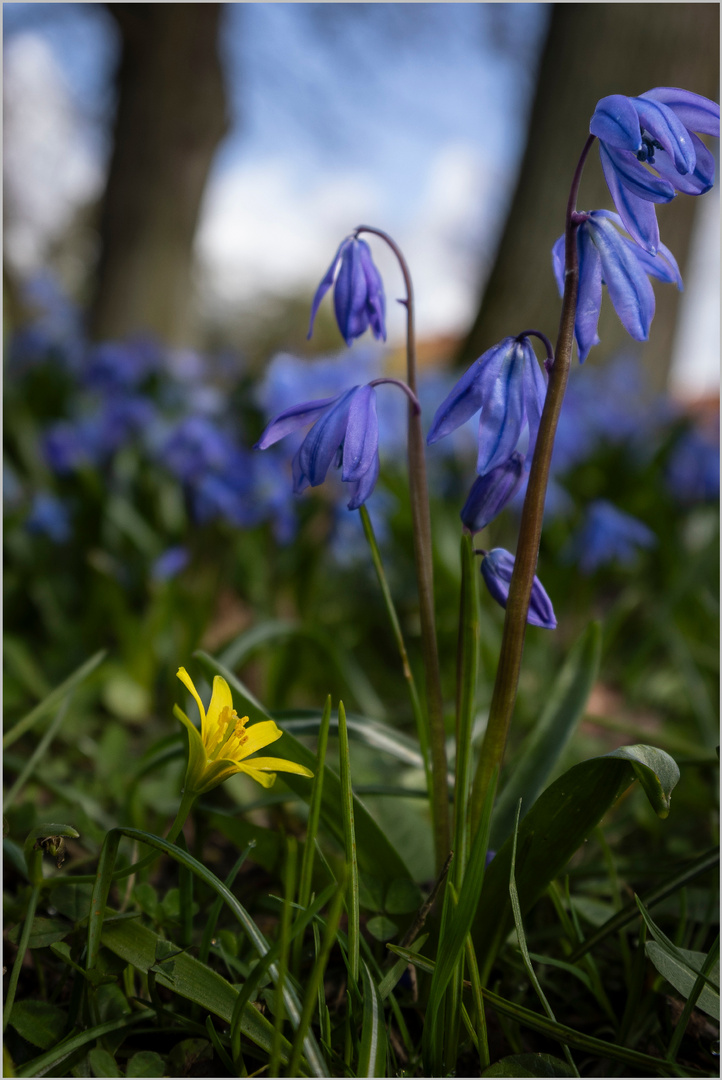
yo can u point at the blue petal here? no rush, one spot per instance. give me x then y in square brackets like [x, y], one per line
[663, 265]
[365, 485]
[375, 299]
[300, 480]
[491, 493]
[496, 569]
[697, 113]
[616, 123]
[696, 183]
[326, 283]
[639, 180]
[502, 415]
[361, 442]
[349, 295]
[535, 392]
[469, 394]
[558, 260]
[627, 283]
[324, 439]
[638, 215]
[661, 122]
[589, 297]
[291, 419]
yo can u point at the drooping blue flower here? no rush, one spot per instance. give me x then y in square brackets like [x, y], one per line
[608, 535]
[358, 296]
[606, 257]
[170, 563]
[496, 570]
[657, 130]
[491, 492]
[49, 516]
[345, 430]
[693, 469]
[508, 385]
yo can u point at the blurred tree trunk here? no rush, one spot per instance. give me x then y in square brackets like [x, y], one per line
[171, 116]
[593, 50]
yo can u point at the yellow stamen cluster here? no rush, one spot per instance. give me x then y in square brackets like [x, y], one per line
[229, 736]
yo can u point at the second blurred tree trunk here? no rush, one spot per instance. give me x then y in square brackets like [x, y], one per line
[592, 50]
[171, 116]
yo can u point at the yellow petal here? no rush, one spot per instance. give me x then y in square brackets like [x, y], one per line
[258, 736]
[188, 682]
[266, 779]
[220, 699]
[278, 764]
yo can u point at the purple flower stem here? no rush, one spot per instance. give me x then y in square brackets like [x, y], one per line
[413, 400]
[527, 553]
[421, 518]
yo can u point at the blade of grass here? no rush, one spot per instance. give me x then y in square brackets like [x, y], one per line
[396, 630]
[519, 924]
[630, 911]
[352, 901]
[100, 896]
[699, 984]
[314, 814]
[210, 927]
[466, 674]
[38, 753]
[554, 1030]
[289, 891]
[53, 699]
[374, 1040]
[481, 1037]
[42, 1065]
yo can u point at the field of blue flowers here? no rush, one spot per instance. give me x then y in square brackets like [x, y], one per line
[181, 543]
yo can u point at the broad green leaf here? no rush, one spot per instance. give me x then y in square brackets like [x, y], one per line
[529, 1065]
[376, 856]
[557, 826]
[43, 932]
[682, 971]
[44, 1063]
[372, 1051]
[102, 1063]
[381, 928]
[145, 1063]
[542, 750]
[41, 1023]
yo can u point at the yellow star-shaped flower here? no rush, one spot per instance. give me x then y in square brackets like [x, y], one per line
[222, 745]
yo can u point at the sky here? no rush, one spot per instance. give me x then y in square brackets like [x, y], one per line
[410, 117]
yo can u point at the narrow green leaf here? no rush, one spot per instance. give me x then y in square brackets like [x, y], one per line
[555, 827]
[700, 865]
[682, 958]
[453, 935]
[374, 1042]
[394, 973]
[521, 937]
[543, 748]
[52, 700]
[38, 754]
[682, 971]
[558, 1032]
[274, 631]
[314, 813]
[349, 835]
[466, 673]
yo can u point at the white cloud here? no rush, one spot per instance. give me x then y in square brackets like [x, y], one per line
[48, 169]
